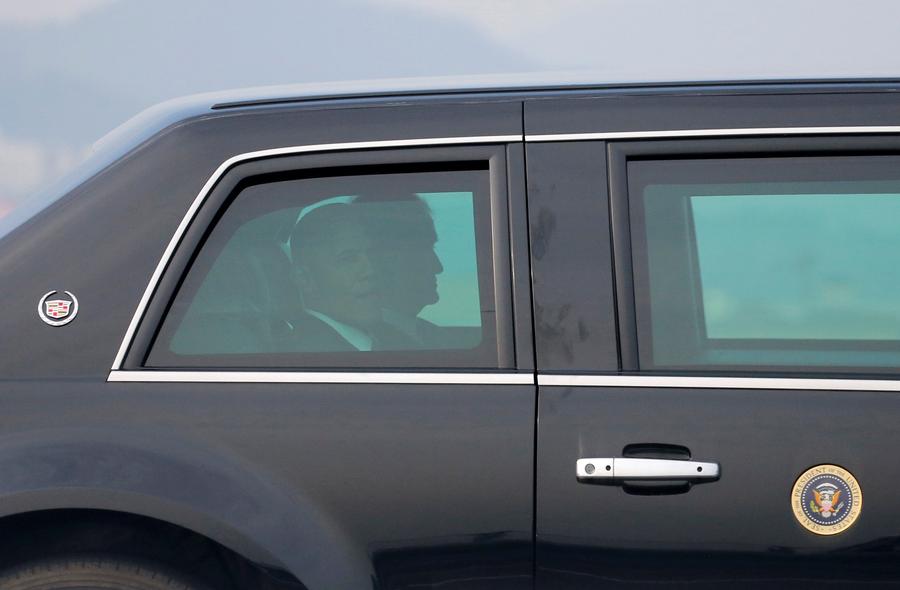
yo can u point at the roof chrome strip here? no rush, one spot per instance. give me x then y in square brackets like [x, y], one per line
[719, 382]
[149, 376]
[301, 149]
[747, 132]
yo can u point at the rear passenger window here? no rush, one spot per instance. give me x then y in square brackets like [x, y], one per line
[389, 269]
[767, 264]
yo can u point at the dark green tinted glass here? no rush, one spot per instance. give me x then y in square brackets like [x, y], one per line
[768, 272]
[352, 265]
[820, 267]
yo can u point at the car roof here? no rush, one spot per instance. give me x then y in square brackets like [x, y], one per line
[160, 116]
[155, 119]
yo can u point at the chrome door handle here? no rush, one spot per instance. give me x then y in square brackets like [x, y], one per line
[622, 468]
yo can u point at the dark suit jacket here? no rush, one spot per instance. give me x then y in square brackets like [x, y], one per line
[311, 334]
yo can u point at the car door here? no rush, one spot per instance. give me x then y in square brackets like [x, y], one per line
[717, 340]
[344, 318]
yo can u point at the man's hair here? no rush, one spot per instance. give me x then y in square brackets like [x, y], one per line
[319, 226]
[403, 217]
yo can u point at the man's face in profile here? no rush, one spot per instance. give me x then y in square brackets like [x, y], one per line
[405, 259]
[339, 278]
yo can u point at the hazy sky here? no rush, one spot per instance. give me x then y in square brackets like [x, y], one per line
[71, 70]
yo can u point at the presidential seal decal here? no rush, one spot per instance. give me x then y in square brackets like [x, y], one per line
[58, 311]
[826, 499]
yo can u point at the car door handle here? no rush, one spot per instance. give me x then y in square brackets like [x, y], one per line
[623, 468]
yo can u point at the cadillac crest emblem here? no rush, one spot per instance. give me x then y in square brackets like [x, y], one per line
[826, 499]
[58, 311]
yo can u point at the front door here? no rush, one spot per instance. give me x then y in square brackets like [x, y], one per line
[718, 393]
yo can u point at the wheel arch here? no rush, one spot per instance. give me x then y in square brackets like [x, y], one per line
[182, 481]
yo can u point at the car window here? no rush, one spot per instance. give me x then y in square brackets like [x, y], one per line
[769, 263]
[388, 269]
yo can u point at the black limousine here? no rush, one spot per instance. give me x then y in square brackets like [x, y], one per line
[497, 336]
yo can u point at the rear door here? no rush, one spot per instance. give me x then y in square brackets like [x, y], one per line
[718, 340]
[352, 319]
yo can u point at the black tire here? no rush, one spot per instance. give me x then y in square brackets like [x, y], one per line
[92, 573]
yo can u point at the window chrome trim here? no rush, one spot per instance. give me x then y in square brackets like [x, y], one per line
[748, 131]
[449, 378]
[151, 376]
[719, 382]
[301, 149]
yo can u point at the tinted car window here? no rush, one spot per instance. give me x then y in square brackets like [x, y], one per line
[768, 263]
[323, 271]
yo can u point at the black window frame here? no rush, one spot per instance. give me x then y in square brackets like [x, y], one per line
[512, 349]
[629, 298]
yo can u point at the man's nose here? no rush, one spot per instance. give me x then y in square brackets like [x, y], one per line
[436, 265]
